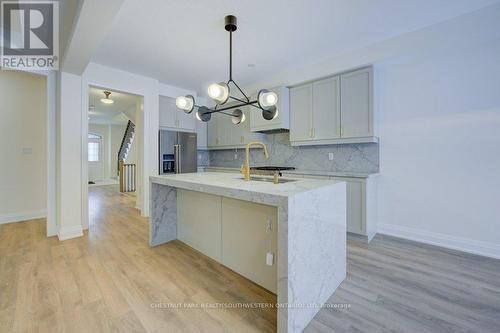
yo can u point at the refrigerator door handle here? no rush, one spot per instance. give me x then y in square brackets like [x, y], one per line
[177, 156]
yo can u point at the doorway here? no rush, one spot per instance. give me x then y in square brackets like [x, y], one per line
[114, 152]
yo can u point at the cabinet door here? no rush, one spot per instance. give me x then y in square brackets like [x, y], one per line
[301, 113]
[200, 226]
[214, 131]
[241, 134]
[326, 109]
[237, 133]
[167, 110]
[355, 207]
[186, 121]
[356, 104]
[224, 129]
[281, 121]
[246, 238]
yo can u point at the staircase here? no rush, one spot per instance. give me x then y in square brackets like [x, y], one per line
[127, 172]
[127, 140]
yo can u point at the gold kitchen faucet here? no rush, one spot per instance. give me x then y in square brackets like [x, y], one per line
[245, 169]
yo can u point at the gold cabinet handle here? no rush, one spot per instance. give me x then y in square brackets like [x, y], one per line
[242, 139]
[217, 141]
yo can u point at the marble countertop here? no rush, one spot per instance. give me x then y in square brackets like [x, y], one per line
[307, 172]
[215, 182]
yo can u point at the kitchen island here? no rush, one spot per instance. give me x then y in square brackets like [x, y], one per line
[311, 232]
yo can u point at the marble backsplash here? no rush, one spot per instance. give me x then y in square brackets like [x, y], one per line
[203, 158]
[362, 158]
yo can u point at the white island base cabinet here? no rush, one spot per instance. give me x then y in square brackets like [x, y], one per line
[308, 217]
[239, 234]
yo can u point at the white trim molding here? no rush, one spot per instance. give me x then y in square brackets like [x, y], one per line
[24, 216]
[70, 232]
[482, 248]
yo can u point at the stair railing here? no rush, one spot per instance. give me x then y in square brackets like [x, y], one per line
[128, 176]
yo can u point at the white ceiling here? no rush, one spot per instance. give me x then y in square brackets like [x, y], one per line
[183, 43]
[123, 108]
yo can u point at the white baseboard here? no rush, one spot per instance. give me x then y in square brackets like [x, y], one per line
[24, 216]
[486, 249]
[70, 232]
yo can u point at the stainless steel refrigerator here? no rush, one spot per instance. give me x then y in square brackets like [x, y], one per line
[178, 152]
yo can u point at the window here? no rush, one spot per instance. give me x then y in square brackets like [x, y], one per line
[94, 147]
[93, 151]
[94, 136]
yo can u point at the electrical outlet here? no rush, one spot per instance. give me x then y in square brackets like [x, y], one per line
[269, 227]
[235, 156]
[269, 258]
[330, 156]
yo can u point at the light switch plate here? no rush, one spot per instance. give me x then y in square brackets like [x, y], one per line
[330, 156]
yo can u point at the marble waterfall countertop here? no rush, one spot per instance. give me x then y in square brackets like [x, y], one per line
[300, 172]
[311, 232]
[233, 185]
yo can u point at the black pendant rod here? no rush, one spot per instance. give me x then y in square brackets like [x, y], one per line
[230, 56]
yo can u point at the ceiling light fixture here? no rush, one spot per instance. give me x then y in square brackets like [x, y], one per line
[107, 100]
[220, 92]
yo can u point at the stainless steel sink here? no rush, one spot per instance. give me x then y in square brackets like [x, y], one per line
[270, 180]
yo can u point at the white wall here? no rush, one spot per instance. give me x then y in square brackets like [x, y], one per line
[69, 156]
[23, 146]
[440, 148]
[99, 170]
[438, 108]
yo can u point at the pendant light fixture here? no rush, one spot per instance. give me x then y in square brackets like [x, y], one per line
[220, 93]
[107, 100]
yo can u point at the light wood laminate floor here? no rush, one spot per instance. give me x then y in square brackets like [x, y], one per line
[110, 280]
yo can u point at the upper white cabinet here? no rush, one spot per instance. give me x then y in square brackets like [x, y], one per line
[301, 109]
[281, 121]
[223, 134]
[356, 97]
[173, 118]
[335, 110]
[326, 109]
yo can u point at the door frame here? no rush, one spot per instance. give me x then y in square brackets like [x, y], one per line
[86, 84]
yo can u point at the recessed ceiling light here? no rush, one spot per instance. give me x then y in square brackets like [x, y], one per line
[107, 100]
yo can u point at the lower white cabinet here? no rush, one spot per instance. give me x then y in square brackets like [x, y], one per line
[361, 206]
[248, 234]
[361, 203]
[199, 222]
[236, 233]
